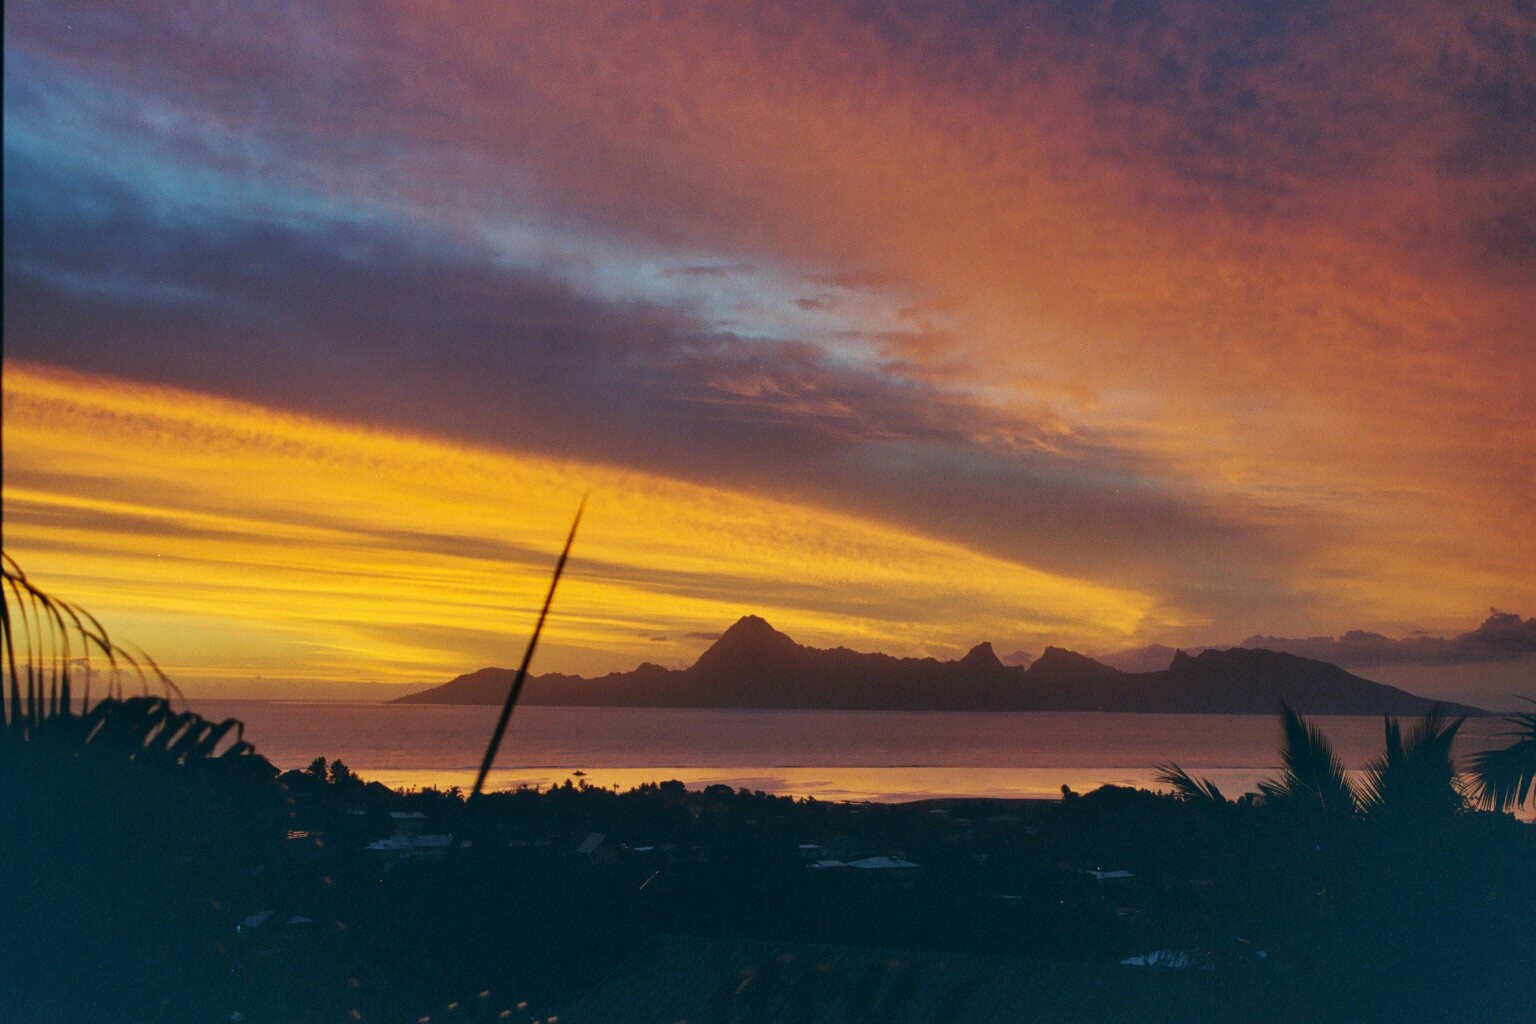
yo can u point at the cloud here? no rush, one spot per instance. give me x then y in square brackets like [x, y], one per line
[230, 539]
[1502, 636]
[1225, 299]
[390, 323]
[710, 271]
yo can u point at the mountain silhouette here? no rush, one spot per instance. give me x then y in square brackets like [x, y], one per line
[748, 644]
[753, 665]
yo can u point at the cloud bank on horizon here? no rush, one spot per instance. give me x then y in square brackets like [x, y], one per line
[1502, 636]
[1221, 305]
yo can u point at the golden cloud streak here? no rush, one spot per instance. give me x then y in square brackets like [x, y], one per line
[233, 541]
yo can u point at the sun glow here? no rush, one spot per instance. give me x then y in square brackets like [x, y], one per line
[233, 541]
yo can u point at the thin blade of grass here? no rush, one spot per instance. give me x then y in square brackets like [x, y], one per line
[13, 698]
[522, 670]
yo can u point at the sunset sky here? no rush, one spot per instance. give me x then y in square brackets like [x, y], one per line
[905, 326]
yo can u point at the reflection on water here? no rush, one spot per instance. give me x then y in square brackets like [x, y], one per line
[884, 785]
[831, 755]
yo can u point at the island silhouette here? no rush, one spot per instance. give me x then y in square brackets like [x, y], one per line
[754, 665]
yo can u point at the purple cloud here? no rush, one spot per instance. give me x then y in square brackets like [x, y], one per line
[1502, 636]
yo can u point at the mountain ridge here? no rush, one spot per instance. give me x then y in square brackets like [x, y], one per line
[754, 665]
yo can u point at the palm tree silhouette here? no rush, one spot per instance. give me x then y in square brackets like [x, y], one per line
[1312, 782]
[1413, 781]
[55, 637]
[1187, 787]
[127, 822]
[1502, 779]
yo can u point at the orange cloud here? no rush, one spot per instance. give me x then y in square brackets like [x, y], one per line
[1273, 261]
[1254, 253]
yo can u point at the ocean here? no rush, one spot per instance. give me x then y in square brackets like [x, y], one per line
[882, 756]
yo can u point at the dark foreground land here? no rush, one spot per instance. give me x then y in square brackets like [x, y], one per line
[141, 892]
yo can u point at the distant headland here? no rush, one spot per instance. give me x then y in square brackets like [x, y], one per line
[753, 665]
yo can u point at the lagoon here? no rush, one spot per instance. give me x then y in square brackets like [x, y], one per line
[883, 756]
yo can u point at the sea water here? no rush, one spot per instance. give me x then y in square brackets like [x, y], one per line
[831, 755]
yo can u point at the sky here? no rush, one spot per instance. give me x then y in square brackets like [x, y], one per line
[1113, 326]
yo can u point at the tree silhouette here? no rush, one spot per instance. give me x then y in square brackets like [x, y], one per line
[127, 824]
[1188, 788]
[1412, 783]
[1502, 779]
[1312, 783]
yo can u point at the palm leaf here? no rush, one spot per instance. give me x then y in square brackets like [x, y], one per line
[1414, 778]
[1312, 779]
[1186, 787]
[39, 632]
[1502, 780]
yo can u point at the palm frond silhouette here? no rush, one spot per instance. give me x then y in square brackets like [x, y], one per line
[1312, 782]
[1186, 787]
[1413, 779]
[1503, 779]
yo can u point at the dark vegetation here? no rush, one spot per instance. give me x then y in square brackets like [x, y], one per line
[156, 868]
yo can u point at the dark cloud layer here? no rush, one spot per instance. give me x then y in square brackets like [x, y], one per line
[393, 326]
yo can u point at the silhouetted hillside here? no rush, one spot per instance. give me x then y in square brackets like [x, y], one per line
[754, 665]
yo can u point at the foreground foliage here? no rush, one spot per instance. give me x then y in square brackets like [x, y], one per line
[125, 824]
[138, 843]
[1504, 778]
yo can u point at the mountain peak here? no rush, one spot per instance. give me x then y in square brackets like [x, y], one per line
[751, 629]
[1058, 663]
[749, 640]
[1062, 656]
[982, 656]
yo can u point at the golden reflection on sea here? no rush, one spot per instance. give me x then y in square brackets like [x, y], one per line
[880, 785]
